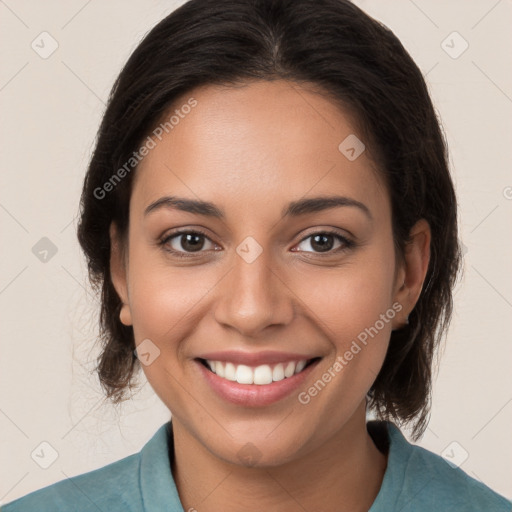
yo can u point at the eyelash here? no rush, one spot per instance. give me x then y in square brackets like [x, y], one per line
[348, 244]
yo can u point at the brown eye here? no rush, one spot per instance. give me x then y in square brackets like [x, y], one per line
[323, 242]
[191, 242]
[186, 242]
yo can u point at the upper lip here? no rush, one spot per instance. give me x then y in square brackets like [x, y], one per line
[255, 358]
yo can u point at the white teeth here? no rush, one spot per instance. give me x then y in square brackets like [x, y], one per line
[290, 369]
[244, 374]
[300, 366]
[260, 375]
[229, 371]
[278, 373]
[219, 369]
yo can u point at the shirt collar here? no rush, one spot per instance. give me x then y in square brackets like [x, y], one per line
[399, 452]
[158, 489]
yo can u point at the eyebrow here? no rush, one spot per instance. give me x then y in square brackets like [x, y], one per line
[293, 209]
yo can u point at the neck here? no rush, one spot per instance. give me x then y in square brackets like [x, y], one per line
[344, 474]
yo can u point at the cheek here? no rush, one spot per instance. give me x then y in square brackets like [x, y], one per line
[353, 307]
[164, 302]
[163, 298]
[351, 298]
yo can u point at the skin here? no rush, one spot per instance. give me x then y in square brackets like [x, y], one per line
[251, 150]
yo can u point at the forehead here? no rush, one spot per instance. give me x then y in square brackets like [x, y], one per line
[260, 143]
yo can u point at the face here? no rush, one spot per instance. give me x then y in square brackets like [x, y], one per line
[265, 284]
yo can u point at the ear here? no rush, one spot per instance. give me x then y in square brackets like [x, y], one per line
[118, 271]
[411, 275]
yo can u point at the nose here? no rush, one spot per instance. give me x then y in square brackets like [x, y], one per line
[253, 296]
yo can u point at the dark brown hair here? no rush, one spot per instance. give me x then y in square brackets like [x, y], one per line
[357, 62]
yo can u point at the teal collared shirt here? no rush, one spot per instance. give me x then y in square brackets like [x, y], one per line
[415, 480]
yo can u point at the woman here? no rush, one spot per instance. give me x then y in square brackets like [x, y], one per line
[270, 218]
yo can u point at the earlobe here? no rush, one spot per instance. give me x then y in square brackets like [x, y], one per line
[412, 275]
[118, 274]
[125, 315]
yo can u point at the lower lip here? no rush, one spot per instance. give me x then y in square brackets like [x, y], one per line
[254, 395]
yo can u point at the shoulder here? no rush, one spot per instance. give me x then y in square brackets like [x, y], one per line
[112, 487]
[425, 481]
[127, 485]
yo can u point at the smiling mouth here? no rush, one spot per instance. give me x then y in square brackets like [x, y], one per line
[258, 375]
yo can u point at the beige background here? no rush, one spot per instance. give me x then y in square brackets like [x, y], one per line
[51, 109]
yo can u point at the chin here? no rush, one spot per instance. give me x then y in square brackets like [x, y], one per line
[254, 447]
